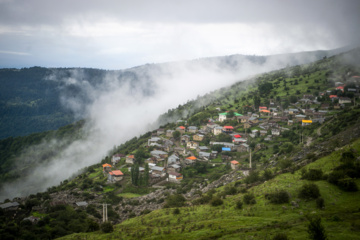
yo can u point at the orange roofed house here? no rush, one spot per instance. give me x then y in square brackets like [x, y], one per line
[190, 160]
[130, 159]
[115, 176]
[106, 167]
[234, 164]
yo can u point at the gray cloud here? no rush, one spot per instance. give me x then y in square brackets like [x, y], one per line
[121, 34]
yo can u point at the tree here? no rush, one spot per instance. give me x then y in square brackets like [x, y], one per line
[107, 227]
[176, 134]
[146, 172]
[316, 230]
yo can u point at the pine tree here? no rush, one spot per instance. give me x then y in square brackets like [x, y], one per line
[146, 176]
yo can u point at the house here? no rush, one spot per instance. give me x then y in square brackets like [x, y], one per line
[202, 149]
[116, 158]
[9, 206]
[228, 129]
[306, 122]
[185, 139]
[223, 116]
[198, 137]
[237, 136]
[268, 138]
[192, 145]
[344, 100]
[160, 154]
[254, 119]
[275, 132]
[156, 170]
[160, 131]
[217, 130]
[192, 129]
[181, 129]
[243, 148]
[247, 125]
[130, 159]
[152, 160]
[190, 160]
[32, 219]
[262, 108]
[167, 145]
[204, 155]
[81, 204]
[174, 168]
[234, 164]
[154, 140]
[115, 176]
[210, 126]
[263, 132]
[175, 176]
[173, 159]
[341, 88]
[290, 122]
[243, 119]
[213, 154]
[169, 133]
[293, 111]
[239, 140]
[180, 150]
[300, 117]
[106, 167]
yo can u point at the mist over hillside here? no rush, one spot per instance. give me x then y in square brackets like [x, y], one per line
[119, 105]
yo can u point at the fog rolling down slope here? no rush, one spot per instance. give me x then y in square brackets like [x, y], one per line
[119, 105]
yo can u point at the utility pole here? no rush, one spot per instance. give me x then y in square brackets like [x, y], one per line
[250, 158]
[105, 212]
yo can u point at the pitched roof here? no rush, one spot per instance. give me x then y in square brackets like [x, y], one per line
[175, 174]
[307, 121]
[116, 173]
[106, 165]
[234, 162]
[229, 127]
[191, 158]
[9, 204]
[130, 156]
[237, 136]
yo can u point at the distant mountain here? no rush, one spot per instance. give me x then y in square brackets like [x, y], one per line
[40, 99]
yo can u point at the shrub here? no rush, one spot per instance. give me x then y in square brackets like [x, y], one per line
[313, 174]
[347, 184]
[239, 204]
[249, 198]
[176, 200]
[278, 197]
[285, 163]
[334, 176]
[253, 177]
[280, 236]
[316, 230]
[216, 201]
[309, 190]
[267, 174]
[320, 203]
[230, 190]
[176, 211]
[107, 227]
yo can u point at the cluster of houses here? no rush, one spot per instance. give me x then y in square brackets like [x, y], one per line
[268, 122]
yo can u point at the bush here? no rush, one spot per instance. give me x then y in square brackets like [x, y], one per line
[320, 204]
[347, 184]
[176, 211]
[107, 227]
[313, 174]
[176, 200]
[278, 197]
[239, 204]
[285, 163]
[253, 177]
[280, 236]
[309, 190]
[216, 201]
[316, 229]
[267, 174]
[249, 198]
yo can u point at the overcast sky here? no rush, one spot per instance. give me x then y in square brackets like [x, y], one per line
[117, 34]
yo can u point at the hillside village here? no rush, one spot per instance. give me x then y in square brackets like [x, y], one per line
[171, 150]
[245, 137]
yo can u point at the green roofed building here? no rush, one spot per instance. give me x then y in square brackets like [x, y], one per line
[222, 116]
